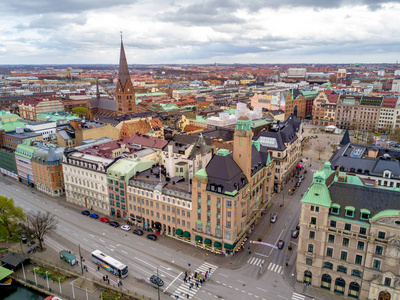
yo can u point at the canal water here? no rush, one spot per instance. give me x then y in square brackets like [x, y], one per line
[19, 292]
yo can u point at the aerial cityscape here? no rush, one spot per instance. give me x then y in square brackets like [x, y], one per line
[199, 155]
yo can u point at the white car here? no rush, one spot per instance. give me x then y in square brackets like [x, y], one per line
[125, 227]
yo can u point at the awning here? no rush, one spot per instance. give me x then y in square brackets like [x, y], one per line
[4, 272]
[179, 232]
[207, 242]
[217, 245]
[138, 218]
[198, 239]
[228, 246]
[186, 235]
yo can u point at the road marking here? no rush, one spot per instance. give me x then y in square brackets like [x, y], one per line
[124, 252]
[139, 243]
[91, 235]
[222, 274]
[173, 281]
[270, 265]
[262, 290]
[112, 246]
[241, 281]
[297, 296]
[150, 273]
[282, 297]
[261, 254]
[101, 240]
[256, 296]
[85, 240]
[74, 233]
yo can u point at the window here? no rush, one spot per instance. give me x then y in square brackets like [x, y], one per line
[317, 208]
[345, 242]
[349, 211]
[310, 248]
[379, 250]
[343, 255]
[377, 264]
[228, 224]
[331, 238]
[309, 261]
[312, 207]
[312, 235]
[388, 281]
[327, 265]
[329, 252]
[228, 214]
[363, 230]
[356, 273]
[335, 210]
[360, 245]
[347, 226]
[381, 235]
[342, 269]
[358, 260]
[229, 203]
[313, 220]
[333, 223]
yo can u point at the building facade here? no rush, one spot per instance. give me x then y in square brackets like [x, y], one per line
[29, 109]
[349, 238]
[85, 180]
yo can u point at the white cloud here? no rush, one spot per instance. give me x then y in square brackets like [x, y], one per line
[204, 32]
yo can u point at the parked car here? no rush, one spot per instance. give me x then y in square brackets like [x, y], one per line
[126, 227]
[138, 231]
[86, 213]
[94, 216]
[295, 233]
[274, 218]
[156, 280]
[114, 224]
[281, 243]
[298, 183]
[152, 237]
[104, 219]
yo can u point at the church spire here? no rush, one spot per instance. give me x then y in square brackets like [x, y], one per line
[123, 71]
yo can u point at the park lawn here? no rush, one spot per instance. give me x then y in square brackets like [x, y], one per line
[53, 274]
[4, 235]
[109, 295]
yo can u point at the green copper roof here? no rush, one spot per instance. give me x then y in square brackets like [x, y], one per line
[318, 193]
[25, 150]
[309, 94]
[125, 168]
[201, 173]
[233, 193]
[365, 211]
[223, 152]
[386, 213]
[200, 119]
[243, 125]
[261, 122]
[10, 126]
[256, 144]
[350, 208]
[269, 159]
[335, 205]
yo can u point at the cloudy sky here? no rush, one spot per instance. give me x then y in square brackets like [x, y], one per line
[201, 31]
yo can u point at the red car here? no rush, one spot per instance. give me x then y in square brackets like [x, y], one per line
[105, 220]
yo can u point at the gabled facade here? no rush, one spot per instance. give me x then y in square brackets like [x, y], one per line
[324, 108]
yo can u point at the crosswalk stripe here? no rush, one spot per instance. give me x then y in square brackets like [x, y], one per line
[297, 296]
[270, 265]
[249, 260]
[257, 262]
[263, 262]
[252, 259]
[279, 269]
[276, 268]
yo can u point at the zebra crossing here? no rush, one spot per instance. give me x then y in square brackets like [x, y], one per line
[297, 296]
[256, 261]
[271, 267]
[275, 268]
[183, 290]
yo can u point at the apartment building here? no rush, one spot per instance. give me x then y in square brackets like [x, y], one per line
[349, 238]
[85, 180]
[31, 108]
[284, 142]
[347, 111]
[324, 108]
[303, 100]
[23, 159]
[368, 113]
[387, 117]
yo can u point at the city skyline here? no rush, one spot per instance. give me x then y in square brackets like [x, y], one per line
[157, 32]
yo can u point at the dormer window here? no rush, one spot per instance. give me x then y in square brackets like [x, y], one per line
[335, 209]
[364, 214]
[349, 211]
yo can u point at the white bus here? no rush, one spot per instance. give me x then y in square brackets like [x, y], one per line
[110, 264]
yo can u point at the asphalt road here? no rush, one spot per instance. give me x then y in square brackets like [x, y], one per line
[144, 257]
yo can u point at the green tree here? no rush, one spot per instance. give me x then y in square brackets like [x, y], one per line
[10, 215]
[396, 135]
[81, 112]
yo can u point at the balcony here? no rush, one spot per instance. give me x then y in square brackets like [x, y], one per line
[199, 200]
[199, 210]
[208, 202]
[208, 213]
[219, 216]
[219, 205]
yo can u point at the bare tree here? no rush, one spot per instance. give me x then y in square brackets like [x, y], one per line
[40, 224]
[320, 149]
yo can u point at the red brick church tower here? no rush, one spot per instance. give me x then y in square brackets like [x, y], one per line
[124, 92]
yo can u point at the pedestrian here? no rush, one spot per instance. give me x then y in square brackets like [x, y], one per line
[197, 285]
[206, 273]
[195, 274]
[209, 270]
[184, 280]
[189, 278]
[108, 281]
[187, 296]
[104, 278]
[98, 268]
[186, 274]
[107, 277]
[190, 287]
[120, 283]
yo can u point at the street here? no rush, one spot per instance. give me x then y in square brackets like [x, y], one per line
[145, 257]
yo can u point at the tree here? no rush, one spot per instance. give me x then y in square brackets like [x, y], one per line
[40, 224]
[82, 112]
[320, 149]
[396, 135]
[10, 215]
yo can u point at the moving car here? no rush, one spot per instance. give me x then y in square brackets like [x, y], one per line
[94, 216]
[274, 218]
[281, 243]
[152, 237]
[114, 224]
[126, 227]
[156, 280]
[104, 219]
[86, 213]
[295, 233]
[138, 231]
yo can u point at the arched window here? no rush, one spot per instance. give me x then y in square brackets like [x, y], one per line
[340, 285]
[307, 276]
[354, 290]
[326, 281]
